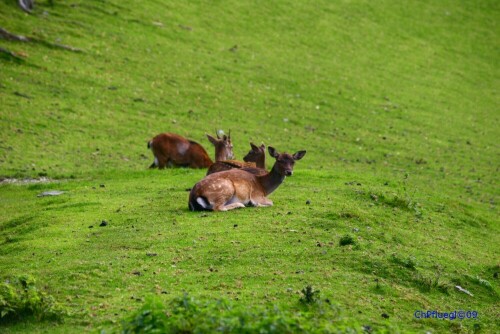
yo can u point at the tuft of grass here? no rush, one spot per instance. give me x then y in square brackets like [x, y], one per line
[429, 284]
[21, 299]
[481, 282]
[409, 262]
[346, 240]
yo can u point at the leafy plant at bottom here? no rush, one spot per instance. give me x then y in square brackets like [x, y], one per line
[189, 315]
[20, 299]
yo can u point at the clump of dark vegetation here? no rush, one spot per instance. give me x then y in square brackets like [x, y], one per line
[428, 284]
[348, 215]
[189, 315]
[20, 299]
[347, 240]
[310, 296]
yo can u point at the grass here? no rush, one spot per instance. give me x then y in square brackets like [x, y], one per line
[396, 105]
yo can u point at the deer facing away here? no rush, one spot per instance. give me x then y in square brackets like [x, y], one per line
[254, 161]
[238, 188]
[170, 149]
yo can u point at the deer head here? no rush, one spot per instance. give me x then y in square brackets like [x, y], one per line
[284, 161]
[223, 147]
[256, 154]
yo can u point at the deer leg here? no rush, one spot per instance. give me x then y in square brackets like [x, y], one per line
[225, 202]
[263, 202]
[162, 161]
[231, 206]
[154, 164]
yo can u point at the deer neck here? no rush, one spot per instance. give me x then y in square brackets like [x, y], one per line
[271, 181]
[261, 162]
[220, 156]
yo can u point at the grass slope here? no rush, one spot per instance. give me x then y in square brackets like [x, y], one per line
[396, 104]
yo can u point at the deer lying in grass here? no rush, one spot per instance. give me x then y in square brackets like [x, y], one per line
[237, 188]
[171, 150]
[255, 161]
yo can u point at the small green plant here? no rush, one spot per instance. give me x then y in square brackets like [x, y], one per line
[410, 262]
[347, 240]
[149, 319]
[480, 281]
[20, 299]
[309, 295]
[402, 199]
[427, 284]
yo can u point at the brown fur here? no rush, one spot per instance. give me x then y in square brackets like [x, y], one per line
[238, 188]
[254, 162]
[172, 150]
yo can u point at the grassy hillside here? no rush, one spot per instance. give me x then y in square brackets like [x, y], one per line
[395, 102]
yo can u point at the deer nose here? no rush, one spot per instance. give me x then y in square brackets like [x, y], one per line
[288, 173]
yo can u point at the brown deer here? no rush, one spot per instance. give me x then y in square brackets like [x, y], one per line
[237, 188]
[255, 160]
[170, 150]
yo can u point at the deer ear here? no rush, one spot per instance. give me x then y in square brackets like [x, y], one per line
[212, 139]
[299, 155]
[254, 148]
[273, 152]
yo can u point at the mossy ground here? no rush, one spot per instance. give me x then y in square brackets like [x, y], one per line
[395, 103]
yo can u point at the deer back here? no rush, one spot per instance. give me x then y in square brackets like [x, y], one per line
[171, 149]
[219, 189]
[198, 156]
[254, 162]
[220, 166]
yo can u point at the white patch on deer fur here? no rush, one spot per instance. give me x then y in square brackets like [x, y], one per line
[202, 202]
[156, 162]
[182, 148]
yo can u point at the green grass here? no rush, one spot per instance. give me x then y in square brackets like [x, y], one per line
[396, 104]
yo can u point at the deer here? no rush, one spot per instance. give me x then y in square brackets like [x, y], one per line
[254, 161]
[170, 149]
[237, 188]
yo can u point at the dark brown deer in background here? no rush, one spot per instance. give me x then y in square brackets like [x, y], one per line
[170, 149]
[237, 188]
[255, 160]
